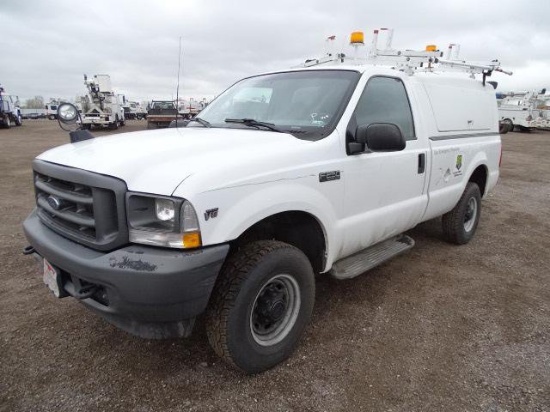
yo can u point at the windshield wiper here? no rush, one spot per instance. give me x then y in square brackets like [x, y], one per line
[255, 123]
[200, 121]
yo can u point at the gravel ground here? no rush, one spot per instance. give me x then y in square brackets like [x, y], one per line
[443, 328]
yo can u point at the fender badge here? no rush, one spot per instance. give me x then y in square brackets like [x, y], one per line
[211, 213]
[329, 176]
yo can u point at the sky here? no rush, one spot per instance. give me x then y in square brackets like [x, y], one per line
[47, 46]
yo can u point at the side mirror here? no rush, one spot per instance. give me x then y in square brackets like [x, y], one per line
[381, 137]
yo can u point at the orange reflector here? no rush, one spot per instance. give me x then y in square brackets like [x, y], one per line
[431, 48]
[357, 37]
[191, 239]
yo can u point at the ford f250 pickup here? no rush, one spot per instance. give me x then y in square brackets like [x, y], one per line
[315, 170]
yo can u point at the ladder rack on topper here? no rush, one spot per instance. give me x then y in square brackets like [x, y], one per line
[408, 61]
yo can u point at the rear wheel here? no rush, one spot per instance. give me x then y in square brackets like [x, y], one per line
[460, 224]
[502, 128]
[509, 124]
[7, 121]
[260, 305]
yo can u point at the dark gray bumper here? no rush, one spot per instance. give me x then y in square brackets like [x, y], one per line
[144, 286]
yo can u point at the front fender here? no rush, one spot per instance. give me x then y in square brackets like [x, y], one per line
[241, 208]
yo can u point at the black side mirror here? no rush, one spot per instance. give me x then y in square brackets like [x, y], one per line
[381, 137]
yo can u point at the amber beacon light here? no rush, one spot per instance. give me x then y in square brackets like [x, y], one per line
[357, 37]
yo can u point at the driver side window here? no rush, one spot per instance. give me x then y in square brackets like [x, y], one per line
[385, 100]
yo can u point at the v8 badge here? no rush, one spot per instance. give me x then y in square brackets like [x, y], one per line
[211, 213]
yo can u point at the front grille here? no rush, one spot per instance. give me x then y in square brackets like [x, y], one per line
[83, 206]
[69, 204]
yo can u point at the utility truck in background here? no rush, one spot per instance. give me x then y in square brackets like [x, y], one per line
[134, 111]
[10, 112]
[102, 106]
[320, 169]
[190, 108]
[524, 110]
[51, 108]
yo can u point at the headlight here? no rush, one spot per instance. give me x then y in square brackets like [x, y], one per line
[162, 221]
[165, 209]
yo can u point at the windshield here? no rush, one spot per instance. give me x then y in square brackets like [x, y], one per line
[307, 104]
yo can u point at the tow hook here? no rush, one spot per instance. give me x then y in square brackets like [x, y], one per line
[29, 250]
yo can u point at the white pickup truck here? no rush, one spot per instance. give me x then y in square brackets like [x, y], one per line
[286, 175]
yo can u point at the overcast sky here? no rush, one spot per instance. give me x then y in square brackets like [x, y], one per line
[48, 45]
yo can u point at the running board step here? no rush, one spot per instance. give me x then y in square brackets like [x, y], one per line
[371, 257]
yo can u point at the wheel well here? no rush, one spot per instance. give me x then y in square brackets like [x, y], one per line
[299, 229]
[479, 177]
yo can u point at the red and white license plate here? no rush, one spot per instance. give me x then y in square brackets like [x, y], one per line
[51, 278]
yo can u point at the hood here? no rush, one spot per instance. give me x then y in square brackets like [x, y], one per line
[158, 161]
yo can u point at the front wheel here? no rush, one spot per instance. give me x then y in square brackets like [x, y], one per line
[260, 305]
[7, 121]
[460, 224]
[18, 120]
[114, 125]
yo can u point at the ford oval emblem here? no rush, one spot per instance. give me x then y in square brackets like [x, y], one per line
[54, 202]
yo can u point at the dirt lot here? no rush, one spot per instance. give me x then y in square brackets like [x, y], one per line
[443, 328]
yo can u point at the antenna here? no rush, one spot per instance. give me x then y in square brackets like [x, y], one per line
[178, 87]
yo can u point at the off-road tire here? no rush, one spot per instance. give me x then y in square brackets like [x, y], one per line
[454, 222]
[229, 315]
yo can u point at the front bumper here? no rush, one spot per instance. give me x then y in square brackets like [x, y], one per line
[147, 291]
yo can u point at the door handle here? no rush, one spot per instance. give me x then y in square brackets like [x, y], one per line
[421, 163]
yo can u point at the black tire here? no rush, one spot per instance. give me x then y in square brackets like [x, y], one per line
[509, 125]
[502, 128]
[460, 224]
[114, 125]
[52, 117]
[7, 121]
[18, 120]
[87, 126]
[260, 306]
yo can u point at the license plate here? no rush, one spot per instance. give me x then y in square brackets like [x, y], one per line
[51, 278]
